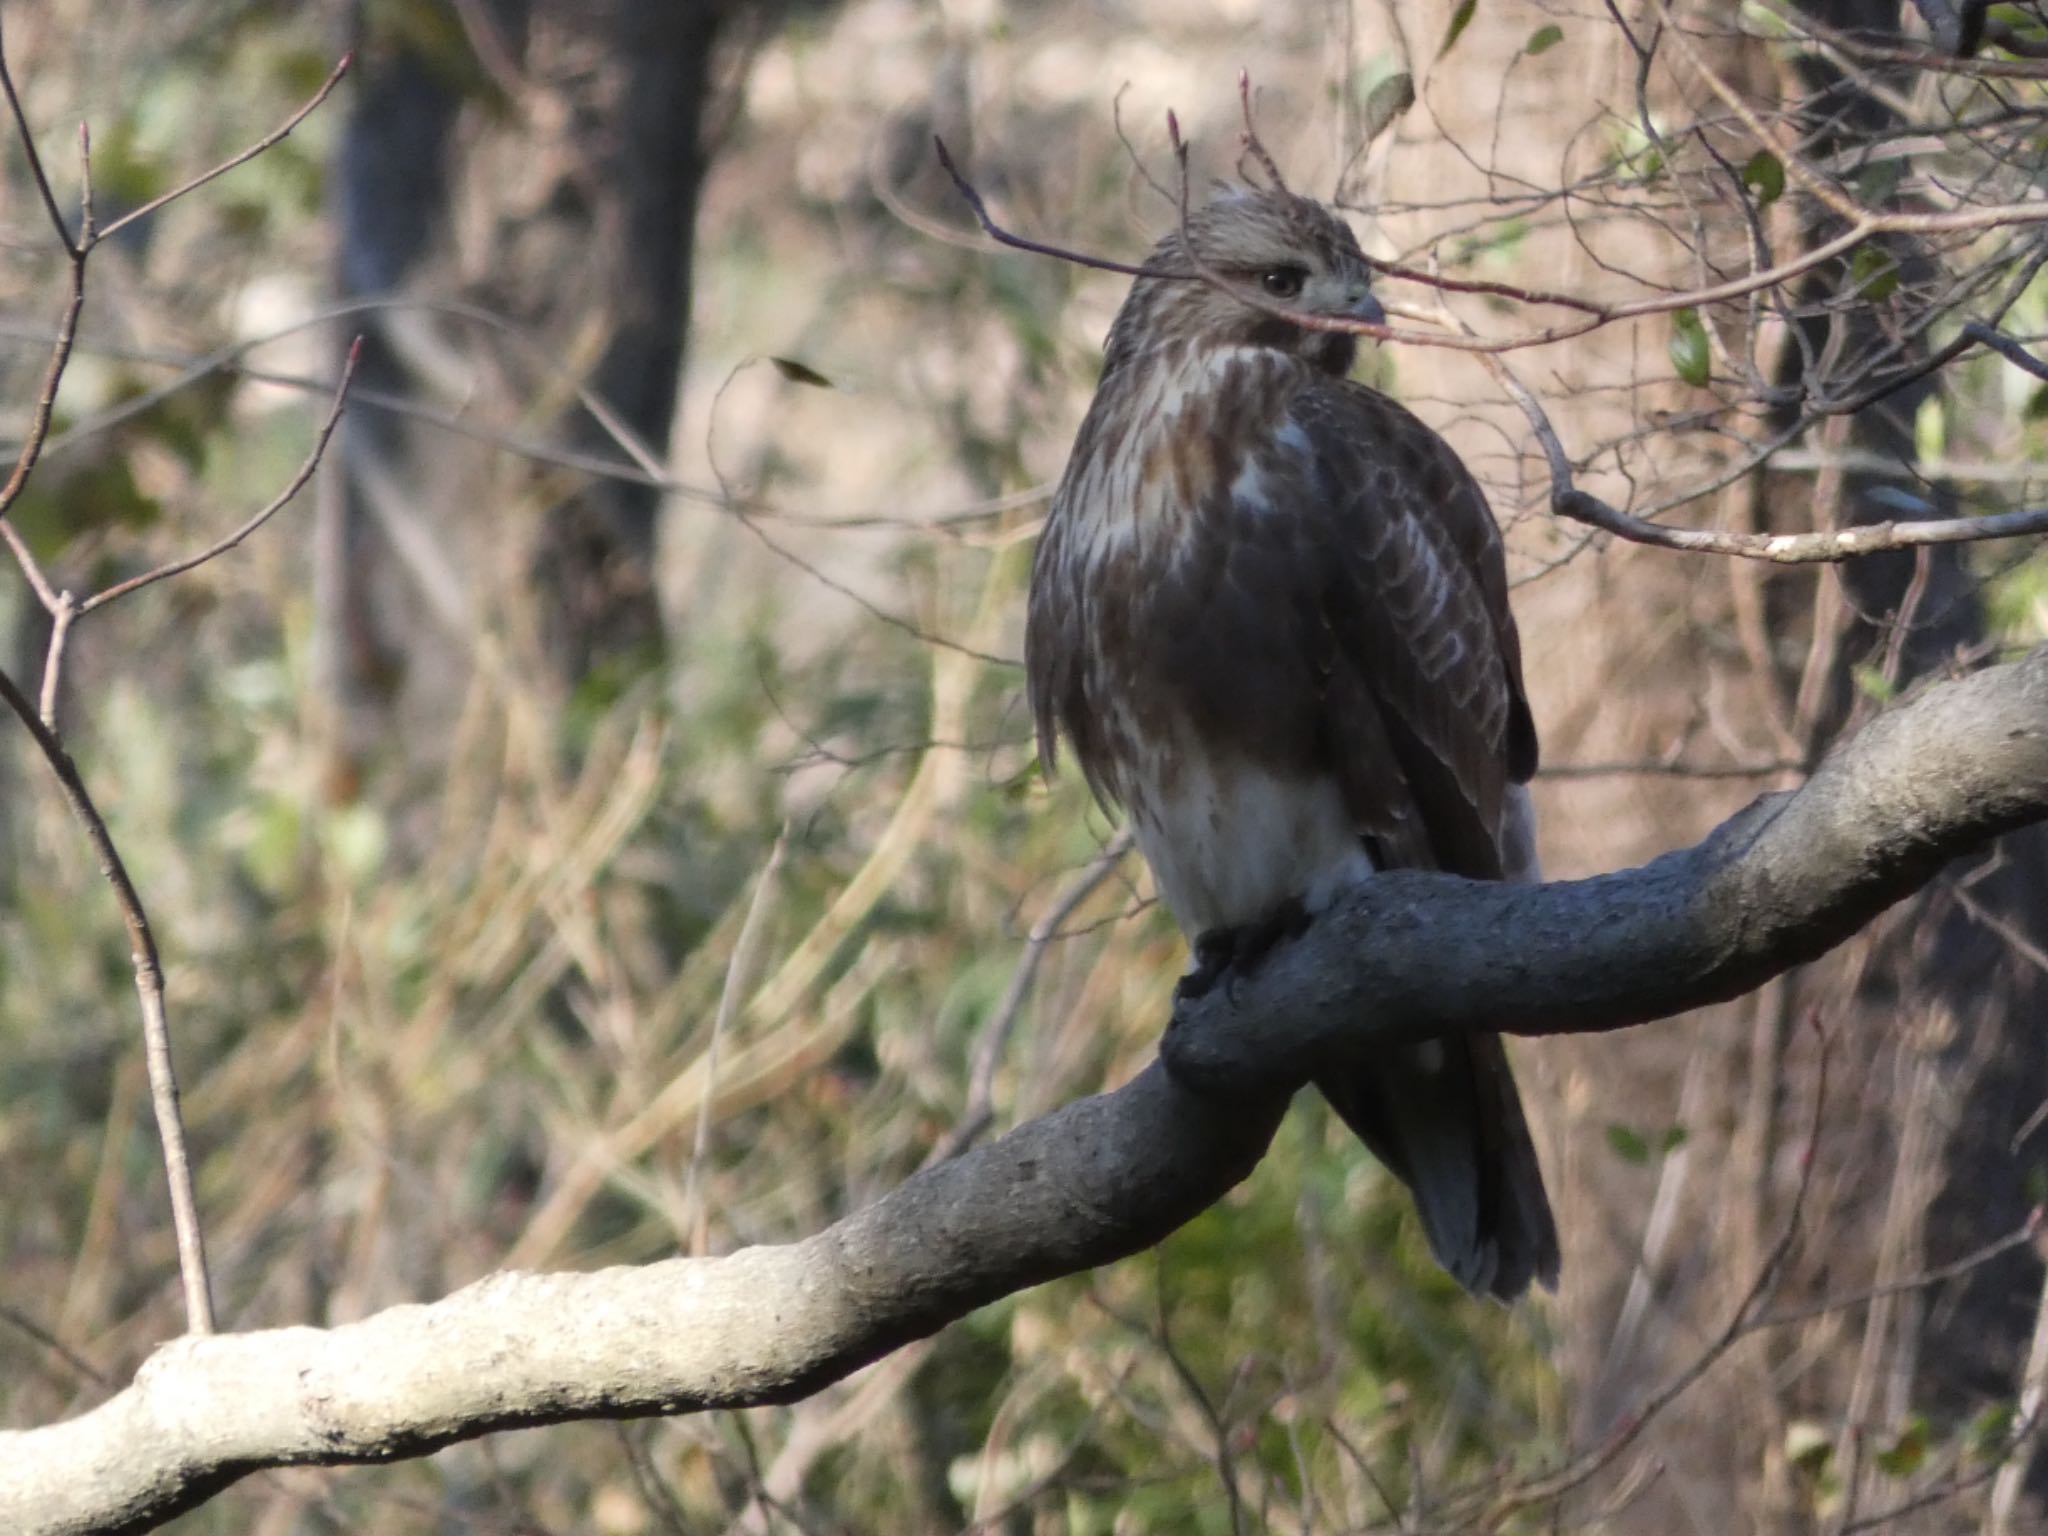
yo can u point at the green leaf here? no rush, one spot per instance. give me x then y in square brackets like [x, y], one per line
[1879, 181]
[1461, 18]
[1542, 40]
[1628, 1144]
[1674, 1138]
[1990, 1432]
[1872, 684]
[1690, 354]
[801, 373]
[1492, 240]
[1907, 1453]
[1388, 100]
[1635, 154]
[2023, 22]
[1875, 274]
[1808, 1446]
[1765, 176]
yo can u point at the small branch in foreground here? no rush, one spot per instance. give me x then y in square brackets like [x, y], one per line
[41, 721]
[149, 987]
[270, 509]
[1819, 545]
[1744, 1320]
[1403, 957]
[1003, 236]
[1862, 228]
[276, 136]
[64, 609]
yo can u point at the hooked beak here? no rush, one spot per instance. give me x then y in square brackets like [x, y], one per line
[1367, 308]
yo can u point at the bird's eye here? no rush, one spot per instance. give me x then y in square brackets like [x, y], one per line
[1284, 282]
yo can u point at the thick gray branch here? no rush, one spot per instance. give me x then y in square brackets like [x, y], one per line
[1404, 957]
[1087, 1184]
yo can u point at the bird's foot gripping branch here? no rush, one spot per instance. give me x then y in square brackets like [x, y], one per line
[1406, 955]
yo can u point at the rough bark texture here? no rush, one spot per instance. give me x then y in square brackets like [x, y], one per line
[1781, 883]
[1094, 1181]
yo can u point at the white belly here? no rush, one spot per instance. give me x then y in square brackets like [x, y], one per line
[1227, 846]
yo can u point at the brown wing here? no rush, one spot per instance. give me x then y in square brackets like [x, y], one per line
[1327, 597]
[1414, 591]
[1416, 600]
[1341, 606]
[1353, 534]
[1331, 599]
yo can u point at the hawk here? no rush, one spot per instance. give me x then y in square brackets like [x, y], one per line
[1269, 613]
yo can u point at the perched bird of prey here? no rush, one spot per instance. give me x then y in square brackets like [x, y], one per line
[1269, 612]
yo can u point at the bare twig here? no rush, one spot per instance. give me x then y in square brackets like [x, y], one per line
[35, 159]
[63, 612]
[1819, 545]
[1864, 227]
[29, 1327]
[979, 1112]
[46, 397]
[2021, 1236]
[1037, 247]
[270, 509]
[739, 981]
[149, 987]
[40, 718]
[275, 136]
[1249, 140]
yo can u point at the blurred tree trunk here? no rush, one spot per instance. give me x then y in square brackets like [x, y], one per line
[1937, 1058]
[541, 160]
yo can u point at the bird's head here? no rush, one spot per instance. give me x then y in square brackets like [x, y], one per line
[1268, 247]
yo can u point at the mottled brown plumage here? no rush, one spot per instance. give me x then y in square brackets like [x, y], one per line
[1269, 613]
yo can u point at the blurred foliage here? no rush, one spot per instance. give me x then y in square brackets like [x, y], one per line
[425, 1039]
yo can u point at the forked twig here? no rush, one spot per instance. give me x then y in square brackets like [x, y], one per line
[1865, 226]
[276, 136]
[1003, 236]
[39, 718]
[270, 509]
[1818, 545]
[1249, 141]
[1744, 1320]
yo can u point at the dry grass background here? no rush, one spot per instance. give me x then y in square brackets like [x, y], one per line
[707, 960]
